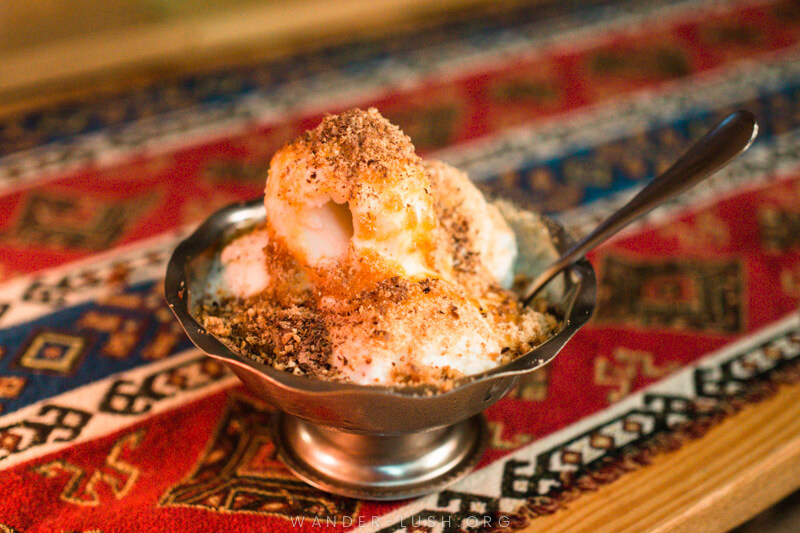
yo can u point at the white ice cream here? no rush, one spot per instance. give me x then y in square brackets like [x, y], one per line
[245, 265]
[376, 231]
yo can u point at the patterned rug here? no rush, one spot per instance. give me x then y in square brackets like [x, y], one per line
[111, 421]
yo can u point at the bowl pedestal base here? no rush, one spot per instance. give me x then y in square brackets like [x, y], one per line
[379, 467]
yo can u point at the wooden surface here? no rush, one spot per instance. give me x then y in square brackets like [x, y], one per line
[740, 467]
[59, 50]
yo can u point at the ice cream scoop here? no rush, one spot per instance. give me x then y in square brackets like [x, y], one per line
[350, 201]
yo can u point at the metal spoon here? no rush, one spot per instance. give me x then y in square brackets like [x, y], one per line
[713, 151]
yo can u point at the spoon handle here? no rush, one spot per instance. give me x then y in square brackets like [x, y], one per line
[714, 150]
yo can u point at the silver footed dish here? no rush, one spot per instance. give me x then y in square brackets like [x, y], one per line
[368, 441]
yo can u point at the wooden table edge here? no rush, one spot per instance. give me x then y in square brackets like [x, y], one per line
[755, 453]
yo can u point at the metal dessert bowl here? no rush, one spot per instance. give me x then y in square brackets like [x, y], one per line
[375, 442]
